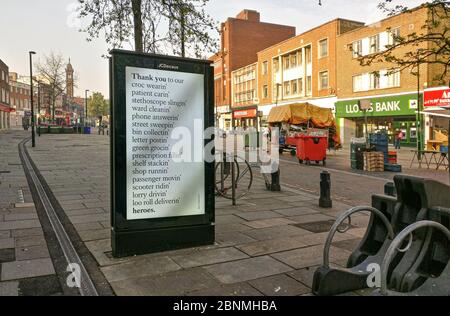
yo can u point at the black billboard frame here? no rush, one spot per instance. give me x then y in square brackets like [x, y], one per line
[143, 236]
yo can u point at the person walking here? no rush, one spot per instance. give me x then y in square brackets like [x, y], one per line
[398, 139]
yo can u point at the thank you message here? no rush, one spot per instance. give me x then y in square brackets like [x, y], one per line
[165, 112]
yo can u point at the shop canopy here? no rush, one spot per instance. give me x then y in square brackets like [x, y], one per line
[302, 113]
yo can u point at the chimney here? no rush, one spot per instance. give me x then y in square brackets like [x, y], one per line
[249, 15]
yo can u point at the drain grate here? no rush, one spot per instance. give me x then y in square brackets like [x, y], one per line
[5, 171]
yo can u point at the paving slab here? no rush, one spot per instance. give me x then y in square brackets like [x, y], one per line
[6, 243]
[208, 257]
[26, 269]
[9, 289]
[276, 232]
[265, 247]
[33, 252]
[247, 269]
[309, 256]
[305, 276]
[169, 284]
[139, 268]
[280, 285]
[239, 289]
[253, 216]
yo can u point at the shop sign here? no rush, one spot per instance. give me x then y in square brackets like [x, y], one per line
[437, 97]
[384, 106]
[223, 109]
[245, 113]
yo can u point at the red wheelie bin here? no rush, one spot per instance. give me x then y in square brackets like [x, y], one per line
[312, 148]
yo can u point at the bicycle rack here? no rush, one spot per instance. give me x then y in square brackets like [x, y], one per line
[331, 281]
[426, 282]
[410, 206]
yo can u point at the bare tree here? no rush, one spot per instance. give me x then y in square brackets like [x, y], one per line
[150, 25]
[189, 26]
[51, 71]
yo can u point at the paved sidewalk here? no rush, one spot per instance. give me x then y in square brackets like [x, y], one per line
[25, 264]
[269, 244]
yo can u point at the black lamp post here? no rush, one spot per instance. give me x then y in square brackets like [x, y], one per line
[85, 106]
[33, 140]
[39, 108]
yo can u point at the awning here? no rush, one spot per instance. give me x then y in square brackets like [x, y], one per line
[5, 108]
[439, 113]
[301, 113]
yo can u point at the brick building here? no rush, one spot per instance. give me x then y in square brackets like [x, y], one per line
[4, 96]
[302, 68]
[393, 94]
[19, 99]
[241, 38]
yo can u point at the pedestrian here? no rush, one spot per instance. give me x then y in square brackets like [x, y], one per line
[398, 139]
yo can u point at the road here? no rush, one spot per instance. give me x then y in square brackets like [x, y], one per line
[353, 187]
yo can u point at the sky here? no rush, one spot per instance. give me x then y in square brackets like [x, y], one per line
[51, 25]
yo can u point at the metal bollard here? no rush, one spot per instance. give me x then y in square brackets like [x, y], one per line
[275, 183]
[325, 190]
[389, 189]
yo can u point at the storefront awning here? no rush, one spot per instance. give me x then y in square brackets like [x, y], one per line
[439, 113]
[5, 108]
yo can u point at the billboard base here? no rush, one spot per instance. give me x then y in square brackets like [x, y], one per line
[130, 243]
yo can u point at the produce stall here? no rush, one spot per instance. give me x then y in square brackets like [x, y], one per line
[298, 120]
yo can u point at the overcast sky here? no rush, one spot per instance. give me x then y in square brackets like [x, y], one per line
[48, 25]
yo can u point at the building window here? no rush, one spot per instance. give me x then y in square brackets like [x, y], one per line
[323, 80]
[265, 92]
[374, 80]
[393, 79]
[357, 49]
[265, 67]
[308, 54]
[300, 86]
[309, 85]
[393, 36]
[294, 60]
[294, 87]
[287, 62]
[358, 83]
[287, 88]
[374, 44]
[323, 48]
[276, 65]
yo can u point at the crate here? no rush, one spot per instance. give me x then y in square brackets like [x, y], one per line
[374, 161]
[392, 168]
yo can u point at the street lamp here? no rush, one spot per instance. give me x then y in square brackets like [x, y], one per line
[39, 108]
[33, 140]
[85, 106]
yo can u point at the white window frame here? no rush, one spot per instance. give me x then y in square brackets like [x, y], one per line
[320, 79]
[319, 50]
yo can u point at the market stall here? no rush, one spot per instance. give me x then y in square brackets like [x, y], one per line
[296, 119]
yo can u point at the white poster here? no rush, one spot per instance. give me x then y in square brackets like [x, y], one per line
[165, 123]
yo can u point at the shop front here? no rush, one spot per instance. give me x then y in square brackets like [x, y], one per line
[246, 118]
[223, 117]
[389, 114]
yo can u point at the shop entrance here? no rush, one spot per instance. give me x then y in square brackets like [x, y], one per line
[390, 125]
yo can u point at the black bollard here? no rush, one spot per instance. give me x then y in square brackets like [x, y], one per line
[389, 189]
[325, 190]
[275, 185]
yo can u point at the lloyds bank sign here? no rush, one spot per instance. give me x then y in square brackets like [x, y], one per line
[399, 105]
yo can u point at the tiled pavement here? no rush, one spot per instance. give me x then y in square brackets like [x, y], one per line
[269, 244]
[24, 255]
